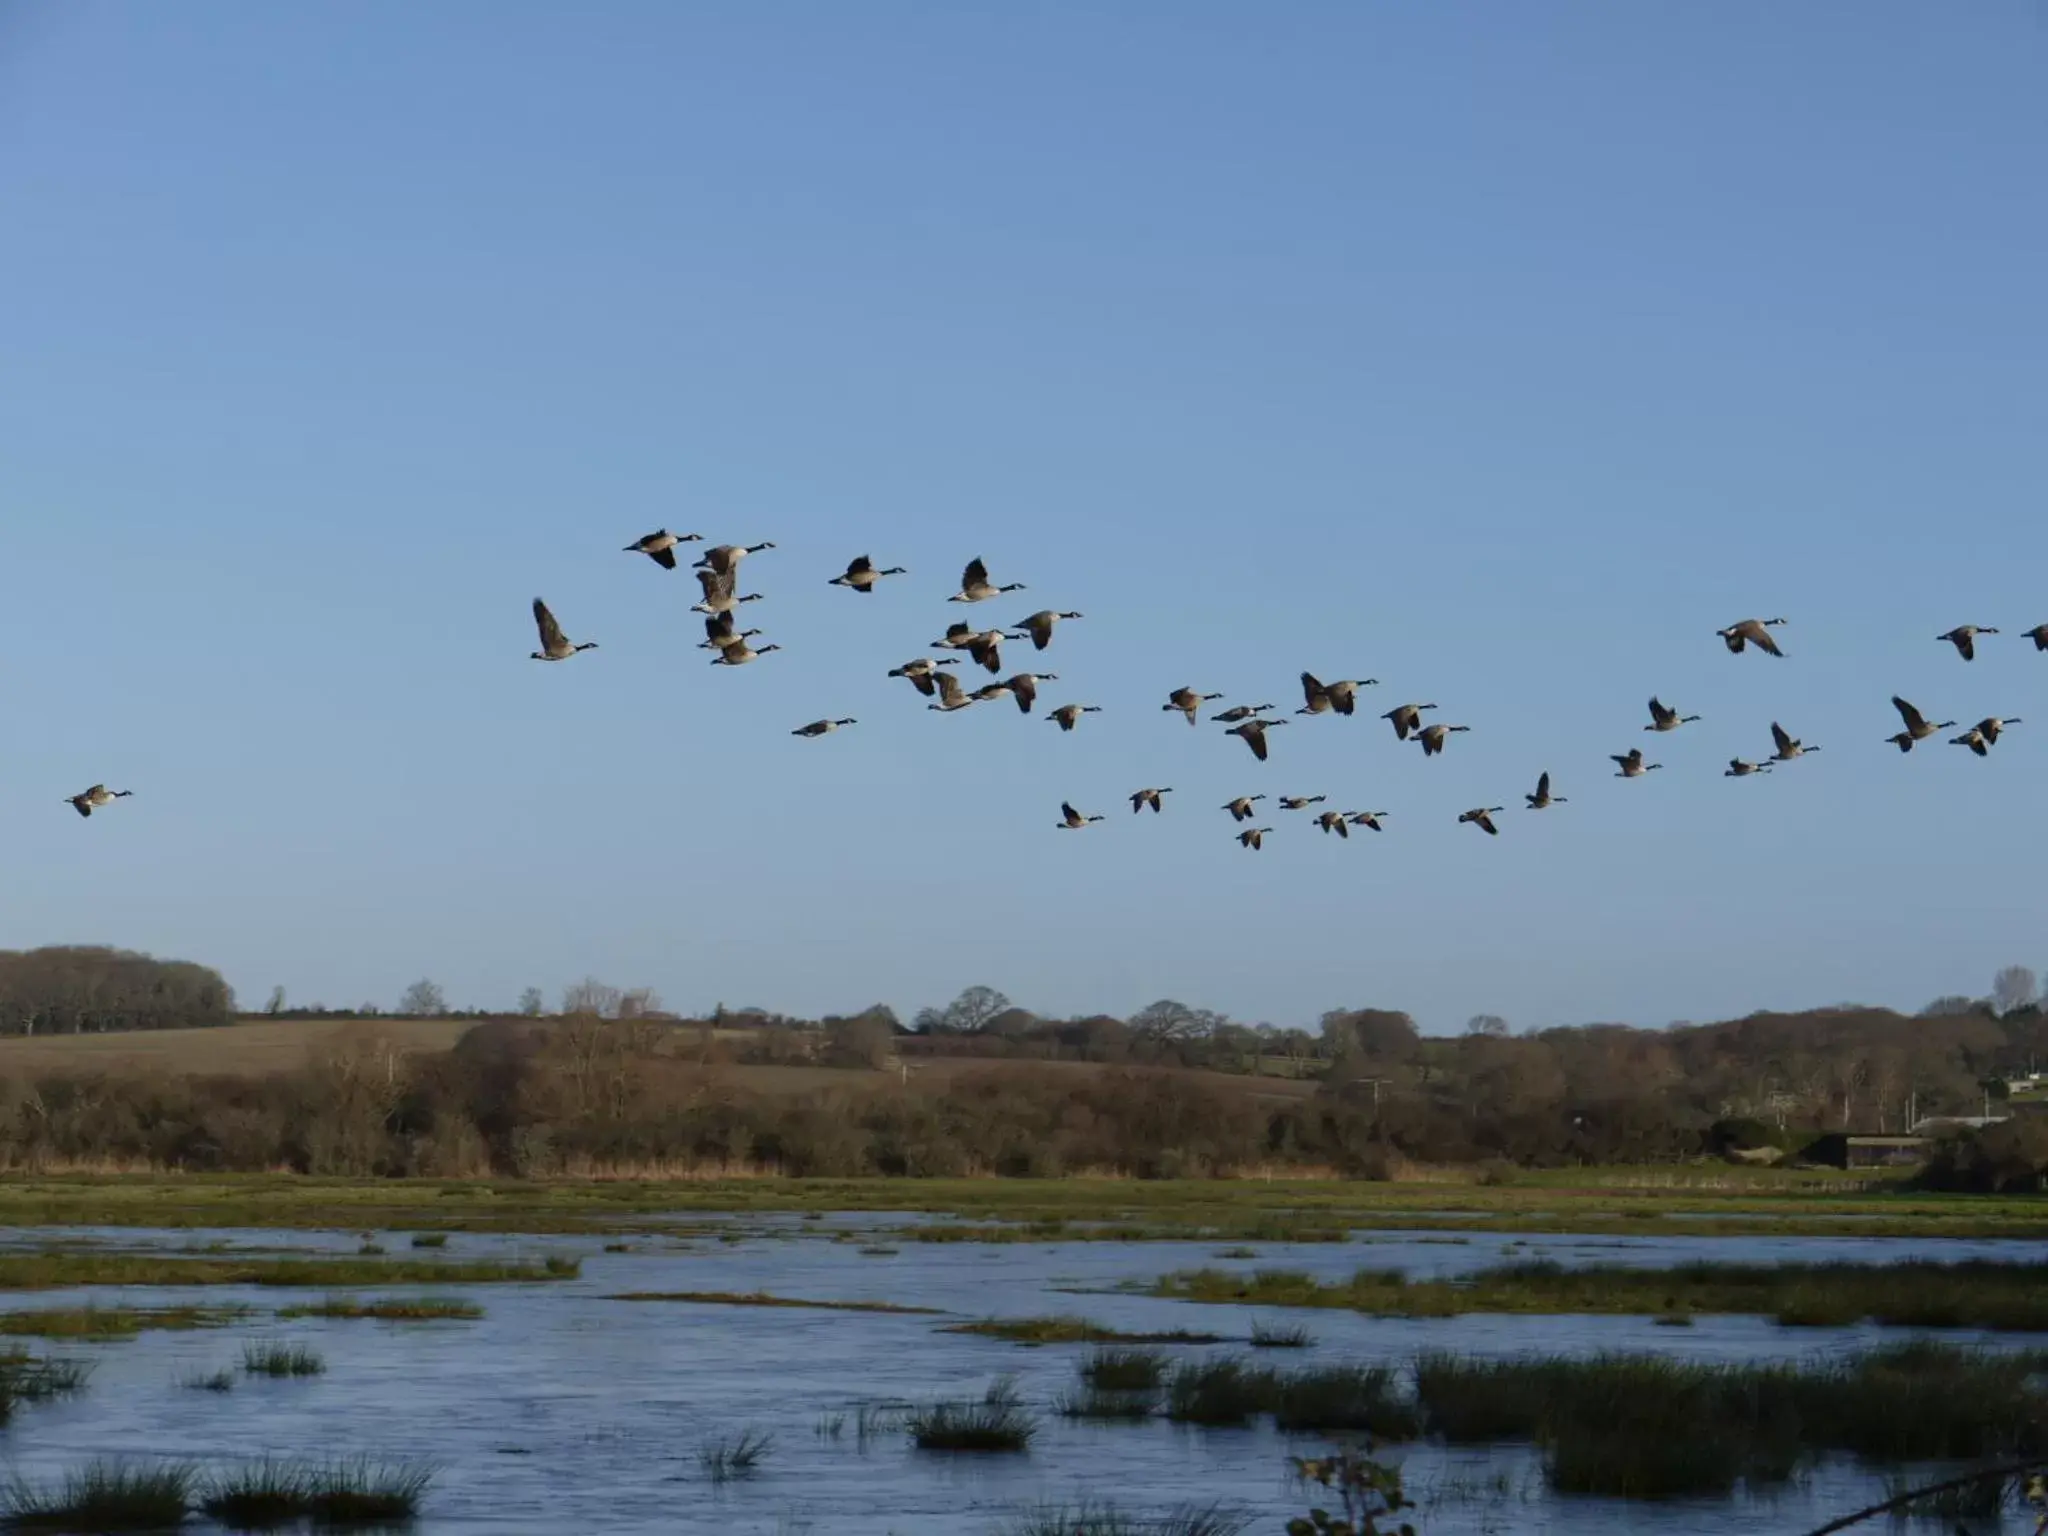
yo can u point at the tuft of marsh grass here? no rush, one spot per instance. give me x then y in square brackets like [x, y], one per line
[26, 1378]
[997, 1423]
[618, 1247]
[1344, 1400]
[1673, 1320]
[1280, 1336]
[1237, 1253]
[371, 1250]
[830, 1426]
[219, 1381]
[276, 1359]
[733, 1456]
[49, 1271]
[339, 1495]
[877, 1251]
[101, 1496]
[872, 1420]
[1108, 1405]
[1087, 1519]
[763, 1299]
[430, 1239]
[106, 1323]
[1071, 1330]
[1112, 1368]
[1221, 1393]
[390, 1309]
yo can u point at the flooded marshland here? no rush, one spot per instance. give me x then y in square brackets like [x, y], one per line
[562, 1408]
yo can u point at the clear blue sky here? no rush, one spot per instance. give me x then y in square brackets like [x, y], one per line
[1499, 352]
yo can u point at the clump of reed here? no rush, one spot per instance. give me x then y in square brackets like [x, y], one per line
[1280, 1336]
[997, 1423]
[106, 1323]
[1221, 1393]
[1071, 1330]
[763, 1299]
[1108, 1405]
[390, 1309]
[279, 1359]
[562, 1266]
[430, 1239]
[1087, 1519]
[48, 1271]
[336, 1495]
[1113, 1368]
[1329, 1400]
[103, 1496]
[371, 1250]
[200, 1381]
[726, 1457]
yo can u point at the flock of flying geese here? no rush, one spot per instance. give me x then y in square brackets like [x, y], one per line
[717, 571]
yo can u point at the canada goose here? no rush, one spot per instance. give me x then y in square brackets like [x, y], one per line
[98, 798]
[1188, 702]
[725, 558]
[1253, 838]
[1241, 808]
[921, 671]
[720, 631]
[821, 727]
[1917, 728]
[1543, 799]
[956, 638]
[1334, 821]
[989, 691]
[1342, 696]
[1751, 632]
[720, 593]
[987, 648]
[975, 586]
[1482, 818]
[1663, 719]
[1024, 687]
[1238, 712]
[1145, 797]
[1254, 734]
[1990, 726]
[1039, 627]
[1368, 819]
[660, 546]
[1974, 739]
[554, 645]
[1406, 718]
[1964, 638]
[1433, 737]
[1632, 765]
[732, 637]
[1300, 802]
[1738, 769]
[739, 653]
[1789, 746]
[951, 695]
[1069, 715]
[1073, 819]
[861, 575]
[2039, 635]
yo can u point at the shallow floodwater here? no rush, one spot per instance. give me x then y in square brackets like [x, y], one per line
[562, 1411]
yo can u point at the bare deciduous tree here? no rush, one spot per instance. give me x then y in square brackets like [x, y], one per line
[639, 1003]
[422, 1000]
[967, 1014]
[1167, 1020]
[276, 1004]
[2014, 988]
[593, 997]
[1492, 1025]
[532, 1004]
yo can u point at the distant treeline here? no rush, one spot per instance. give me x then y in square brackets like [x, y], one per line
[82, 989]
[583, 1096]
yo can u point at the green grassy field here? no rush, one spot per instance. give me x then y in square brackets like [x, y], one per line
[1706, 1200]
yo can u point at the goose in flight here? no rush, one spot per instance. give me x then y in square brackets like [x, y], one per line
[862, 575]
[821, 727]
[1543, 799]
[1663, 719]
[1024, 687]
[739, 653]
[1241, 808]
[1335, 821]
[1739, 769]
[1406, 718]
[2039, 635]
[988, 692]
[98, 798]
[987, 648]
[1069, 715]
[1368, 819]
[721, 630]
[1482, 818]
[1254, 734]
[975, 586]
[1145, 797]
[1238, 712]
[1188, 702]
[951, 695]
[1789, 746]
[1991, 725]
[720, 592]
[1632, 764]
[725, 558]
[1300, 802]
[1342, 696]
[1756, 632]
[1253, 838]
[1039, 627]
[660, 546]
[1433, 737]
[1964, 638]
[1918, 727]
[1974, 739]
[554, 645]
[1072, 819]
[921, 671]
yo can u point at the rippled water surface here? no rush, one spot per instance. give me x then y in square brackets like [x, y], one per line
[562, 1411]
